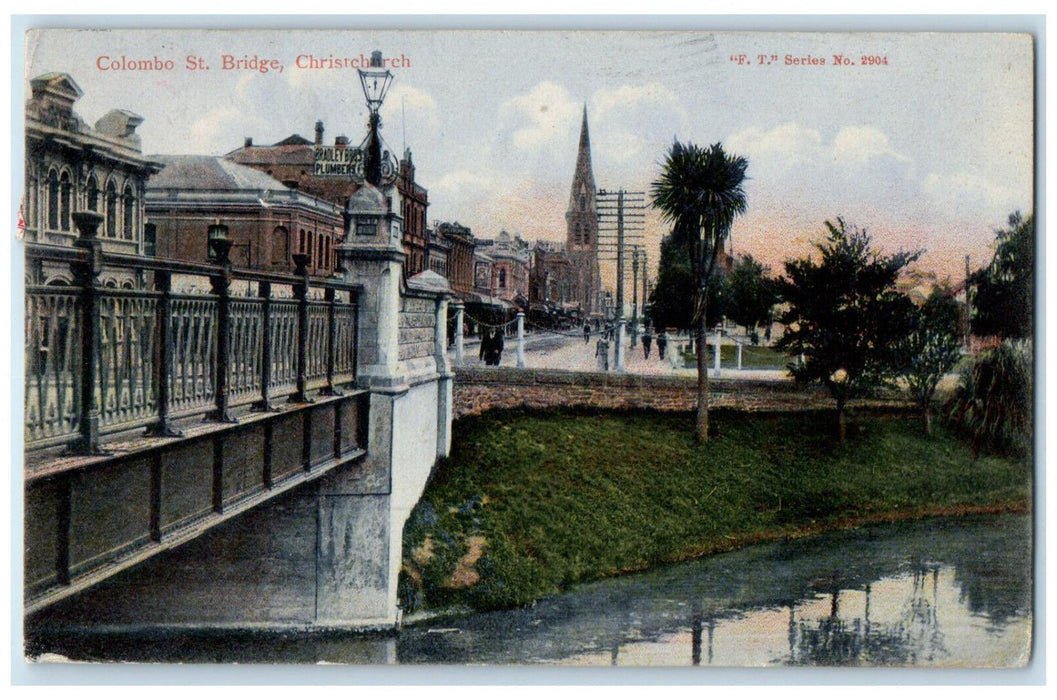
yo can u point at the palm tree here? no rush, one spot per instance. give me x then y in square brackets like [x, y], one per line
[699, 192]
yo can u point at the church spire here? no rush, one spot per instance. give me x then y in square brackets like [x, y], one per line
[583, 177]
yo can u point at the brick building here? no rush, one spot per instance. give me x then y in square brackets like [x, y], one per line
[292, 161]
[268, 222]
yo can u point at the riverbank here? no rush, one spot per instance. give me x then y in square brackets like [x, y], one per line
[531, 502]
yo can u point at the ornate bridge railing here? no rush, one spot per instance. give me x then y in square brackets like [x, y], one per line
[101, 360]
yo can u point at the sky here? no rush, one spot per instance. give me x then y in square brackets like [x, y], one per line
[930, 147]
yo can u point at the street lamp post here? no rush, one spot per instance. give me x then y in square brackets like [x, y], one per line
[375, 81]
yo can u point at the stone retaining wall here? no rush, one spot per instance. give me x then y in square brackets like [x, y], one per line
[480, 389]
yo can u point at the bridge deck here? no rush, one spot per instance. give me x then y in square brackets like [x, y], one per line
[89, 517]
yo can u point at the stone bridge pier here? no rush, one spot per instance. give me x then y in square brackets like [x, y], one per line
[326, 553]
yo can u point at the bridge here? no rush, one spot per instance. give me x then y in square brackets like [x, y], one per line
[214, 446]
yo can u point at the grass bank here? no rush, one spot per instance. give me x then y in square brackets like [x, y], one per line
[530, 502]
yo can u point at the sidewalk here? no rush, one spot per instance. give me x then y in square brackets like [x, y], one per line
[556, 351]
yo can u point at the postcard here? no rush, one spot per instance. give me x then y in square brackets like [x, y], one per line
[585, 348]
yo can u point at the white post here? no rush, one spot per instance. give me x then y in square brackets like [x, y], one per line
[459, 352]
[619, 359]
[739, 357]
[520, 338]
[716, 346]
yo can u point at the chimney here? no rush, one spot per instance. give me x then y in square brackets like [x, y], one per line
[248, 142]
[319, 133]
[341, 142]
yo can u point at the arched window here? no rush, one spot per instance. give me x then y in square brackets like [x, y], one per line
[579, 234]
[92, 193]
[502, 278]
[280, 246]
[65, 203]
[53, 200]
[111, 209]
[302, 246]
[128, 210]
[319, 251]
[583, 201]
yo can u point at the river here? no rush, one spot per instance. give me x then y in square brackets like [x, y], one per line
[942, 592]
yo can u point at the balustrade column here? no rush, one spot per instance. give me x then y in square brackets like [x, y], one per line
[264, 290]
[220, 246]
[163, 284]
[87, 278]
[301, 294]
[719, 343]
[328, 296]
[520, 338]
[459, 333]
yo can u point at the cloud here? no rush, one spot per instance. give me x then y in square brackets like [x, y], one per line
[959, 194]
[633, 122]
[861, 144]
[779, 149]
[547, 115]
[415, 107]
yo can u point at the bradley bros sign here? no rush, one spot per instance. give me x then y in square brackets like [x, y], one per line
[338, 162]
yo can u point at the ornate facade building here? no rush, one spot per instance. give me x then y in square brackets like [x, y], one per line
[73, 167]
[581, 219]
[460, 257]
[553, 279]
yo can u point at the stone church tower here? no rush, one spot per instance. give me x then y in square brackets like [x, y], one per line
[581, 219]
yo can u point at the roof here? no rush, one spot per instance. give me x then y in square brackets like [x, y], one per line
[294, 140]
[57, 82]
[287, 154]
[192, 172]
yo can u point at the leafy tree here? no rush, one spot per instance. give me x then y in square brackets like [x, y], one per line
[845, 315]
[930, 349]
[671, 302]
[1003, 298]
[700, 192]
[992, 405]
[751, 295]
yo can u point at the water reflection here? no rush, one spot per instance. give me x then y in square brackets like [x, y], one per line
[950, 592]
[941, 592]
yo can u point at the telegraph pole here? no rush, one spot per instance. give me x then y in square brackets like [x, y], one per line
[621, 217]
[635, 296]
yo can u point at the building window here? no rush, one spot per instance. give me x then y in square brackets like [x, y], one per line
[53, 200]
[128, 209]
[280, 246]
[65, 195]
[502, 278]
[302, 244]
[150, 239]
[583, 201]
[92, 193]
[111, 209]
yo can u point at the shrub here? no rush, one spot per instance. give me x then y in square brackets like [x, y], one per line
[992, 405]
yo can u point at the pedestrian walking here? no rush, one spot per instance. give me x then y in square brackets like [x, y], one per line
[492, 347]
[602, 355]
[662, 343]
[647, 341]
[587, 332]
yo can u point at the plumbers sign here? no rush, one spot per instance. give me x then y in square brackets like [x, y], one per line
[339, 162]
